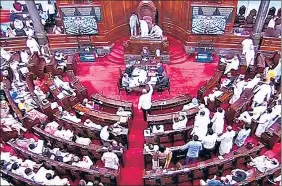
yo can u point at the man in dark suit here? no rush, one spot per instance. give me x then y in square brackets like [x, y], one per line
[162, 82]
[160, 69]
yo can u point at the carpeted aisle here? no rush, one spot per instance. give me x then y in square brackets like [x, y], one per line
[102, 77]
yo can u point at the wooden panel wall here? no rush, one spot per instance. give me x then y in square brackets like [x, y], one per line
[115, 18]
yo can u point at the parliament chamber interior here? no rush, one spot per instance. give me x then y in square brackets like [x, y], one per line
[136, 92]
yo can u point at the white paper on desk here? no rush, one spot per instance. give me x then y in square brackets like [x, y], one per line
[117, 130]
[54, 105]
[123, 119]
[220, 157]
[60, 96]
[147, 133]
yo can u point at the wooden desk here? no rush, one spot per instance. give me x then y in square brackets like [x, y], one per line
[203, 168]
[169, 136]
[162, 119]
[72, 63]
[172, 102]
[112, 103]
[209, 85]
[66, 169]
[240, 105]
[95, 151]
[102, 117]
[80, 90]
[36, 65]
[272, 135]
[44, 108]
[93, 133]
[134, 46]
[225, 97]
[16, 179]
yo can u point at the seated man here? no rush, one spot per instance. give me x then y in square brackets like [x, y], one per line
[156, 31]
[232, 64]
[129, 69]
[65, 134]
[36, 147]
[89, 123]
[24, 56]
[263, 163]
[237, 175]
[157, 129]
[51, 127]
[81, 140]
[253, 82]
[122, 112]
[71, 117]
[228, 81]
[145, 54]
[61, 60]
[160, 69]
[88, 104]
[23, 106]
[39, 93]
[162, 81]
[247, 116]
[43, 175]
[193, 104]
[180, 122]
[215, 94]
[110, 160]
[64, 85]
[85, 163]
[108, 132]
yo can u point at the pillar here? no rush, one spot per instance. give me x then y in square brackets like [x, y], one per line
[35, 17]
[260, 18]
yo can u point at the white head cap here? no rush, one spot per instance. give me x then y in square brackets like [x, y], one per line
[144, 91]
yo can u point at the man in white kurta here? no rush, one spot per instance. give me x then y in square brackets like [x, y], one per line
[24, 56]
[218, 121]
[144, 28]
[271, 23]
[180, 123]
[85, 163]
[226, 141]
[253, 82]
[39, 93]
[133, 22]
[263, 123]
[263, 163]
[4, 54]
[110, 160]
[237, 91]
[202, 120]
[36, 147]
[202, 107]
[215, 94]
[156, 31]
[232, 64]
[262, 92]
[14, 65]
[247, 116]
[33, 46]
[41, 175]
[248, 51]
[89, 123]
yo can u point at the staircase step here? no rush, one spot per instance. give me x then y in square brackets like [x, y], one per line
[180, 60]
[116, 55]
[174, 57]
[115, 60]
[118, 51]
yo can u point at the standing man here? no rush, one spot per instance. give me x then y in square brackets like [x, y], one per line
[51, 9]
[194, 148]
[133, 22]
[145, 102]
[226, 141]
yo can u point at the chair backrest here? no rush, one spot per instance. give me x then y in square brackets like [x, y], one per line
[279, 13]
[249, 19]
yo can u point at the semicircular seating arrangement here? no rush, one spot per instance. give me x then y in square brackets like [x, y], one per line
[68, 122]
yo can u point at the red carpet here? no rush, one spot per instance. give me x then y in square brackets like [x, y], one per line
[102, 77]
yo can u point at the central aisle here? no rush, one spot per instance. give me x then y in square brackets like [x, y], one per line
[102, 77]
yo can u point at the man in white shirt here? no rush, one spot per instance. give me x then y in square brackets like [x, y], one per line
[209, 143]
[181, 122]
[24, 56]
[145, 102]
[81, 140]
[85, 163]
[39, 93]
[33, 46]
[263, 122]
[89, 123]
[271, 23]
[51, 11]
[262, 93]
[215, 94]
[247, 116]
[232, 64]
[43, 175]
[157, 129]
[105, 134]
[36, 147]
[110, 160]
[253, 82]
[156, 31]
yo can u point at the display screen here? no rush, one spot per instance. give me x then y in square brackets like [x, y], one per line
[208, 24]
[81, 20]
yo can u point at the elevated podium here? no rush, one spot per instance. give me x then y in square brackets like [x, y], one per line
[133, 48]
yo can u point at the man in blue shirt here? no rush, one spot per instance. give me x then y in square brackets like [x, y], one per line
[194, 148]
